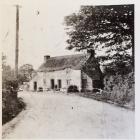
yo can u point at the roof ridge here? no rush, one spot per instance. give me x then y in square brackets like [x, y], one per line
[68, 55]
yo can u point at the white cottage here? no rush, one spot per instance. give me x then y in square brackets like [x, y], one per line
[58, 73]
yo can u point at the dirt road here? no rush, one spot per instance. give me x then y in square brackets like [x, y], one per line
[69, 116]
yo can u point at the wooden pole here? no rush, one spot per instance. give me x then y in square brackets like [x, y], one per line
[17, 42]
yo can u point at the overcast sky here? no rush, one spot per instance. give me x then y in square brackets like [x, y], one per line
[40, 34]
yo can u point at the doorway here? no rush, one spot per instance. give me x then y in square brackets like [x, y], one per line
[59, 84]
[84, 84]
[52, 84]
[35, 86]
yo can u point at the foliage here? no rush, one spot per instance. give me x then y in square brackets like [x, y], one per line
[11, 85]
[118, 68]
[8, 77]
[109, 29]
[25, 73]
[120, 88]
[11, 106]
[72, 88]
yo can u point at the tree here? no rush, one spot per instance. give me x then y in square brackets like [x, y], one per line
[109, 29]
[25, 73]
[8, 77]
[7, 71]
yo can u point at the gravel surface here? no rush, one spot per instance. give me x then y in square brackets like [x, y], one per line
[56, 115]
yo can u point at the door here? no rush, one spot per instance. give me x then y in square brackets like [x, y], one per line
[84, 84]
[59, 84]
[35, 86]
[52, 84]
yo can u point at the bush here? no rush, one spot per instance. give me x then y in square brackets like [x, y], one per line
[11, 105]
[119, 88]
[72, 88]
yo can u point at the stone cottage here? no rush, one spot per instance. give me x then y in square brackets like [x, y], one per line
[58, 73]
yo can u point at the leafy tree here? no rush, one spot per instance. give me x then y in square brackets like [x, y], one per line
[8, 77]
[25, 73]
[107, 29]
[7, 71]
[8, 74]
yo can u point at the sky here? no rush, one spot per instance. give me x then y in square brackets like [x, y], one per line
[41, 31]
[39, 34]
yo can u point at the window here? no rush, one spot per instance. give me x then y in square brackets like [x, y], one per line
[44, 81]
[68, 82]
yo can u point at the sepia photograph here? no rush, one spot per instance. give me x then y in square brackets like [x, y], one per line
[68, 70]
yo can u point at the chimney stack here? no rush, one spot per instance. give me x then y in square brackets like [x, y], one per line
[46, 57]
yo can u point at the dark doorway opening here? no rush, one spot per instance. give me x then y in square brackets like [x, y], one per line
[52, 84]
[35, 86]
[84, 84]
[59, 84]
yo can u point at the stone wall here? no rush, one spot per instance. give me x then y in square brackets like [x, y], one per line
[89, 81]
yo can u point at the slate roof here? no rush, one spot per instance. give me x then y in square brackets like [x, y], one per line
[61, 62]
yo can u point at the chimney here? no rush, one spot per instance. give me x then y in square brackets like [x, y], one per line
[46, 57]
[91, 52]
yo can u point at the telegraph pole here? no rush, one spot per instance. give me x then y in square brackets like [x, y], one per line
[17, 42]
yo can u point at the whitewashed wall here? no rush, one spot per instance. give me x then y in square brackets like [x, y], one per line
[43, 79]
[38, 79]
